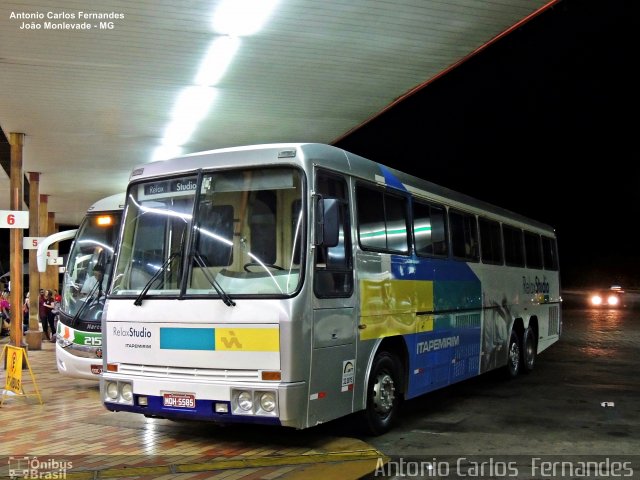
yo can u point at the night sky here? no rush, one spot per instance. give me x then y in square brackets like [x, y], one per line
[544, 123]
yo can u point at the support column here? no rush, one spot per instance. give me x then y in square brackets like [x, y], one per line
[43, 226]
[34, 335]
[16, 140]
[53, 276]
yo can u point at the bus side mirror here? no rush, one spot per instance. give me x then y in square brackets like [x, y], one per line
[327, 221]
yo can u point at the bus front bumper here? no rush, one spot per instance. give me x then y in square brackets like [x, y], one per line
[267, 403]
[77, 366]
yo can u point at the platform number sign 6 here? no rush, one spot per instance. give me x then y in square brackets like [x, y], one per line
[14, 219]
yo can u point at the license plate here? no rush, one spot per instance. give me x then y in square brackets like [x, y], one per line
[179, 400]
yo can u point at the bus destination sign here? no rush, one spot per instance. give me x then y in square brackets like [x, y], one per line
[171, 187]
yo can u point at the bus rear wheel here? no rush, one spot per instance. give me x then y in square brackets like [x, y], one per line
[529, 350]
[384, 394]
[513, 356]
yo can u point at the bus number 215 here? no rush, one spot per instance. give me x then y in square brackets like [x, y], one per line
[93, 341]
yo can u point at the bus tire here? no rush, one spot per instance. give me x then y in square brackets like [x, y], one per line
[529, 350]
[513, 356]
[384, 394]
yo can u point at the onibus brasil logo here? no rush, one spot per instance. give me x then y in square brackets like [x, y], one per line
[41, 468]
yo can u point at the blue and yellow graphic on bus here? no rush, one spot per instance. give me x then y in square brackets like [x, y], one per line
[220, 339]
[436, 306]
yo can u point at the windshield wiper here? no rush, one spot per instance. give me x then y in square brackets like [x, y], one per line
[89, 299]
[214, 283]
[163, 267]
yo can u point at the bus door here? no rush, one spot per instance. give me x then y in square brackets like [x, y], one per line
[334, 328]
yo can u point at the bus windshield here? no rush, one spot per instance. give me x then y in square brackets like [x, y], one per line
[223, 234]
[87, 275]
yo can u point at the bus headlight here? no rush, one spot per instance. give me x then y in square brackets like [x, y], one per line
[245, 401]
[127, 392]
[254, 402]
[268, 401]
[111, 390]
[121, 392]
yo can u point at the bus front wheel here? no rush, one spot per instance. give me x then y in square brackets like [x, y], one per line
[384, 393]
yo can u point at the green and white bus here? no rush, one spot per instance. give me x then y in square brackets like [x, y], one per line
[78, 333]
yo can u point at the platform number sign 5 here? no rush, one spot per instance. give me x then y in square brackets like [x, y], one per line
[14, 219]
[31, 243]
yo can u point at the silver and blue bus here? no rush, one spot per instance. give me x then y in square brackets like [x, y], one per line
[293, 284]
[84, 288]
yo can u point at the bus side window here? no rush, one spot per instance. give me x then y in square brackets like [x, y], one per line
[429, 229]
[333, 265]
[513, 246]
[533, 250]
[490, 241]
[382, 220]
[464, 236]
[549, 253]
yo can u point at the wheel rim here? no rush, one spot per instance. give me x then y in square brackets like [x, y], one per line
[384, 394]
[514, 356]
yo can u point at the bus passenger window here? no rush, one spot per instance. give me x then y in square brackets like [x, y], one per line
[513, 246]
[533, 250]
[490, 241]
[371, 228]
[429, 229]
[382, 220]
[464, 236]
[396, 223]
[549, 253]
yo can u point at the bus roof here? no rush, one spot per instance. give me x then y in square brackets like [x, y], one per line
[306, 155]
[113, 202]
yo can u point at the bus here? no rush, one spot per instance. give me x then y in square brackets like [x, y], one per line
[84, 287]
[293, 284]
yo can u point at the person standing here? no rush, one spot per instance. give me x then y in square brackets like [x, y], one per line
[57, 299]
[43, 313]
[5, 313]
[50, 305]
[25, 314]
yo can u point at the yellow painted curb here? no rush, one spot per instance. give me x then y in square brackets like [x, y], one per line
[240, 463]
